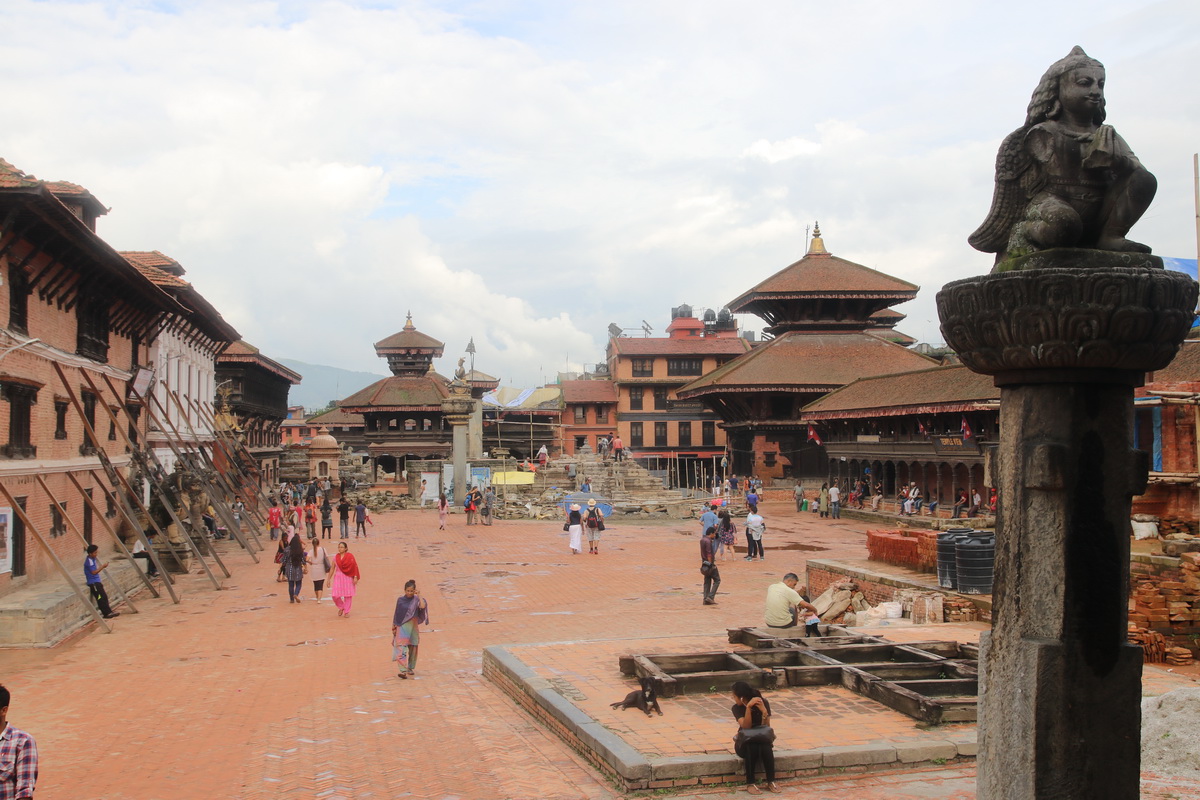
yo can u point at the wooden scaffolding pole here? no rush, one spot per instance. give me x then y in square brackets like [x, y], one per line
[224, 438]
[117, 538]
[115, 476]
[121, 596]
[84, 597]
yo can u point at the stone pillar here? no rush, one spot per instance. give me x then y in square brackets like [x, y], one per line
[1060, 688]
[456, 410]
[475, 431]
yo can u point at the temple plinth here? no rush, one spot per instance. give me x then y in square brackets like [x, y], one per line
[1060, 686]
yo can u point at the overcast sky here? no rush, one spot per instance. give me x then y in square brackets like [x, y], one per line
[526, 173]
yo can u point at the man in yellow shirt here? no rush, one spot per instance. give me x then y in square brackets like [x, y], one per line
[783, 602]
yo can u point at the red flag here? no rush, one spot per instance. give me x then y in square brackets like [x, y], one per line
[812, 436]
[966, 428]
[921, 428]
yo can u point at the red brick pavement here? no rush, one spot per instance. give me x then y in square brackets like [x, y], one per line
[239, 694]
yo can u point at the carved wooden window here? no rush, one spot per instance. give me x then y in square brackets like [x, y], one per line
[580, 415]
[635, 397]
[133, 412]
[635, 434]
[18, 302]
[643, 367]
[660, 434]
[602, 414]
[60, 419]
[88, 401]
[92, 338]
[708, 434]
[21, 399]
[112, 425]
[660, 399]
[685, 366]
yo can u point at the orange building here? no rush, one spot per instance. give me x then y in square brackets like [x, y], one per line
[666, 433]
[589, 412]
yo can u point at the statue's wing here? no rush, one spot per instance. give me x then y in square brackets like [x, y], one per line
[1016, 183]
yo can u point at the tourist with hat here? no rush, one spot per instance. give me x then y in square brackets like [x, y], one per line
[574, 527]
[594, 521]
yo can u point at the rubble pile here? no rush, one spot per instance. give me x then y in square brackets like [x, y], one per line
[959, 609]
[1159, 604]
[1153, 644]
[1179, 657]
[841, 603]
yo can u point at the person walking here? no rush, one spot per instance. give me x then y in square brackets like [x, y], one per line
[343, 509]
[489, 506]
[275, 519]
[326, 519]
[91, 571]
[543, 455]
[411, 612]
[319, 563]
[726, 534]
[443, 510]
[708, 566]
[707, 519]
[618, 447]
[798, 495]
[421, 491]
[294, 567]
[310, 517]
[823, 500]
[18, 756]
[344, 585]
[360, 518]
[755, 528]
[752, 711]
[281, 552]
[575, 529]
[835, 501]
[238, 508]
[594, 522]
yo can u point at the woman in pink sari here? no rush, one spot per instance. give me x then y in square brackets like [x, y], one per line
[345, 580]
[443, 509]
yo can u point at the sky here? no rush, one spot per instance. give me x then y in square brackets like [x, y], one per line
[526, 173]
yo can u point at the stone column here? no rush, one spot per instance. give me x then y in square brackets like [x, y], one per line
[456, 409]
[1060, 687]
[475, 429]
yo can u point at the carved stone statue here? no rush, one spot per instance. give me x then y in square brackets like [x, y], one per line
[460, 373]
[1065, 179]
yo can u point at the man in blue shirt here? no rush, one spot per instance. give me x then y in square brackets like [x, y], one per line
[91, 570]
[708, 519]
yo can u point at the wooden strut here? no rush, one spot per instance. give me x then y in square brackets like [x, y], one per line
[123, 494]
[260, 518]
[222, 508]
[84, 597]
[154, 475]
[122, 597]
[115, 476]
[210, 418]
[117, 538]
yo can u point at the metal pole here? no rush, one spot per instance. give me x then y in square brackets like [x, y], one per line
[83, 597]
[123, 598]
[116, 538]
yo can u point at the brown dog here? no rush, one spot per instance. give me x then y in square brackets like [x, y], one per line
[643, 699]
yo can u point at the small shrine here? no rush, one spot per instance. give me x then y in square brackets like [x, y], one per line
[323, 452]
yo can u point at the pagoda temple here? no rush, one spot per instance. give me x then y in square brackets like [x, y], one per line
[402, 414]
[828, 322]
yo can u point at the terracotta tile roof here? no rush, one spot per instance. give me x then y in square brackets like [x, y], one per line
[398, 392]
[823, 275]
[153, 273]
[662, 346]
[589, 391]
[409, 338]
[887, 315]
[798, 361]
[156, 259]
[242, 351]
[884, 332]
[337, 416]
[13, 178]
[946, 388]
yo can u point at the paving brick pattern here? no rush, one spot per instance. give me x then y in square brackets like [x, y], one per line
[237, 694]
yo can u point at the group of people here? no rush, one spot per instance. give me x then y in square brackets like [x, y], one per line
[478, 504]
[911, 500]
[295, 561]
[578, 521]
[305, 517]
[718, 533]
[611, 445]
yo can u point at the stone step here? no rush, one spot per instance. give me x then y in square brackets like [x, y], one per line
[45, 614]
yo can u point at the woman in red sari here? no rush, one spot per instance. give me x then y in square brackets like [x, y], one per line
[345, 579]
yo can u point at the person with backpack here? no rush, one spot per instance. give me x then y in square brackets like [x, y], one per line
[593, 521]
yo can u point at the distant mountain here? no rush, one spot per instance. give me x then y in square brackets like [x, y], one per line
[322, 384]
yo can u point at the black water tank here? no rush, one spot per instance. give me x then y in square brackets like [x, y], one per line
[947, 562]
[976, 563]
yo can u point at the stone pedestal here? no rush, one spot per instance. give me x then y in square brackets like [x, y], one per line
[475, 429]
[1060, 687]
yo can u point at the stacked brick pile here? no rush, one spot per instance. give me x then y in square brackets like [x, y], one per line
[915, 549]
[1168, 525]
[1154, 645]
[1160, 604]
[1179, 657]
[959, 609]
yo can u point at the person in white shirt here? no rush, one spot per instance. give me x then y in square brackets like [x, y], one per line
[835, 502]
[784, 602]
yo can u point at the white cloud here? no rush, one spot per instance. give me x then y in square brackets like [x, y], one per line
[528, 173]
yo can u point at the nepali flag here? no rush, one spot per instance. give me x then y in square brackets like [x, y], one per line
[921, 428]
[813, 437]
[966, 428]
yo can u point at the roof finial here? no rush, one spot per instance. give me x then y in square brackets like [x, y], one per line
[408, 324]
[817, 245]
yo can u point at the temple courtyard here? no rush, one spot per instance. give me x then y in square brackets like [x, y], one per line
[237, 694]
